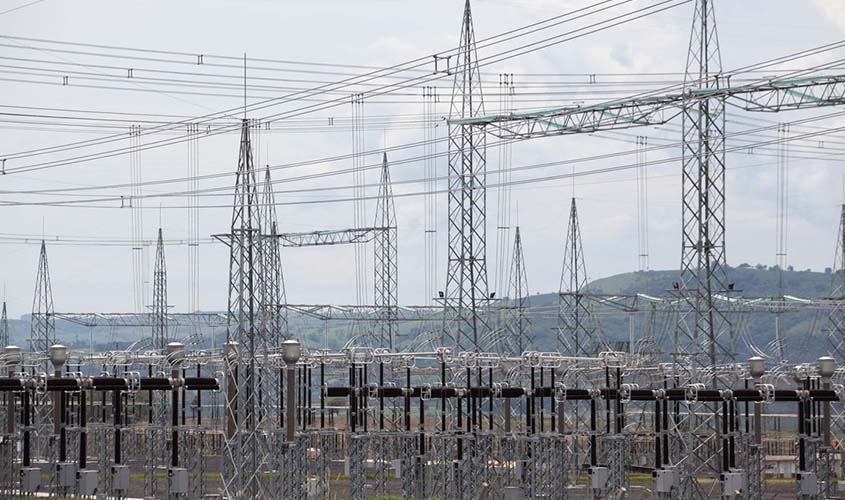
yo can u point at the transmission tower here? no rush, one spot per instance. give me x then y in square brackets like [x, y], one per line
[273, 313]
[466, 277]
[517, 323]
[156, 439]
[386, 261]
[246, 449]
[703, 329]
[836, 317]
[703, 333]
[42, 333]
[836, 328]
[4, 327]
[159, 309]
[274, 319]
[579, 333]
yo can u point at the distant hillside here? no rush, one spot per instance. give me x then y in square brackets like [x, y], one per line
[803, 332]
[749, 281]
[757, 329]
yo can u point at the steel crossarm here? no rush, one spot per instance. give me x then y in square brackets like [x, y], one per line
[329, 237]
[770, 95]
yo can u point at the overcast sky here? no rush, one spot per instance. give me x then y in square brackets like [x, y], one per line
[382, 33]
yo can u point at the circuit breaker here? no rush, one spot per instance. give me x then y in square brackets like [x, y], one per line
[66, 474]
[808, 484]
[177, 478]
[733, 482]
[665, 479]
[120, 477]
[30, 479]
[88, 482]
[599, 476]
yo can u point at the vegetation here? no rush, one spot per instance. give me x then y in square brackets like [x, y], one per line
[802, 331]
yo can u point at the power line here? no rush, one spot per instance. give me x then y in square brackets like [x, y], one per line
[19, 7]
[598, 171]
[561, 38]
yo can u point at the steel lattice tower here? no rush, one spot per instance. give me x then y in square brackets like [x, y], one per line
[835, 330]
[579, 333]
[386, 262]
[246, 448]
[836, 317]
[517, 323]
[273, 313]
[466, 277]
[156, 438]
[703, 337]
[4, 327]
[159, 309]
[42, 333]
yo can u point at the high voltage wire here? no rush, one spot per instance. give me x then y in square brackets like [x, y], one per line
[621, 19]
[33, 239]
[493, 40]
[318, 161]
[754, 145]
[797, 124]
[805, 53]
[376, 122]
[591, 84]
[605, 170]
[123, 73]
[239, 58]
[308, 126]
[10, 169]
[375, 74]
[177, 141]
[582, 89]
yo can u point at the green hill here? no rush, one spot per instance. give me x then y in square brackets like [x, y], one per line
[803, 331]
[758, 281]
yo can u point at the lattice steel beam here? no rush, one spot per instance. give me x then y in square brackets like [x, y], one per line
[386, 266]
[466, 277]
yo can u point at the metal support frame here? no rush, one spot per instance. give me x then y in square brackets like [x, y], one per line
[246, 450]
[517, 322]
[466, 277]
[386, 264]
[580, 332]
[159, 308]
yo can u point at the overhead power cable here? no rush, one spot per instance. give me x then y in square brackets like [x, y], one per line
[578, 174]
[554, 40]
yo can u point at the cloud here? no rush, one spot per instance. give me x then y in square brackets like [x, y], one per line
[833, 10]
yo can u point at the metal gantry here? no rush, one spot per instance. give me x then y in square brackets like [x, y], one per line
[160, 337]
[42, 333]
[273, 313]
[246, 453]
[704, 331]
[4, 326]
[579, 333]
[520, 413]
[517, 322]
[466, 277]
[386, 263]
[836, 317]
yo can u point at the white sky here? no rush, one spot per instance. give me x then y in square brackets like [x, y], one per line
[383, 33]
